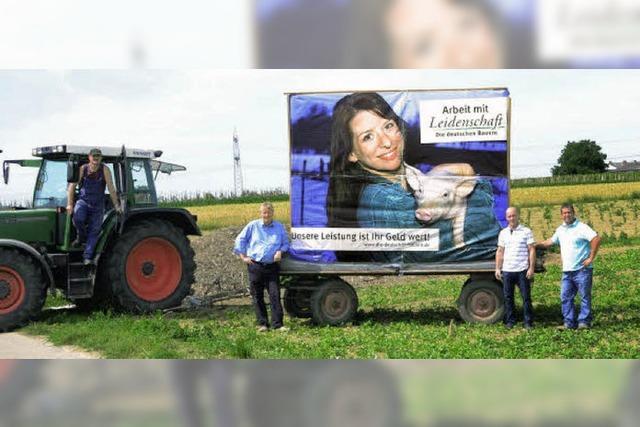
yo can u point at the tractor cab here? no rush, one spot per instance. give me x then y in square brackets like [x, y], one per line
[133, 170]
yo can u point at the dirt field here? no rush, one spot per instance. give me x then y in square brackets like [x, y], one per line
[221, 273]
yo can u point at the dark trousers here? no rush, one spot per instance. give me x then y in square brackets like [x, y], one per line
[263, 277]
[88, 220]
[509, 280]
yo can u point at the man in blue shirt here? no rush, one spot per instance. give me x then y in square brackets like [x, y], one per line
[578, 247]
[260, 245]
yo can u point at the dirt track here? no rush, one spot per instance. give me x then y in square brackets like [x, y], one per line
[14, 345]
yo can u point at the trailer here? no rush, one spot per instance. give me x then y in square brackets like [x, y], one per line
[409, 182]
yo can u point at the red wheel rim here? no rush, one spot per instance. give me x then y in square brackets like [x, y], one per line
[154, 269]
[12, 290]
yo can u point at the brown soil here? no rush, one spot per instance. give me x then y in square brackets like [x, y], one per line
[219, 271]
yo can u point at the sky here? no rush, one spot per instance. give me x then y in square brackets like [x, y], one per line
[191, 116]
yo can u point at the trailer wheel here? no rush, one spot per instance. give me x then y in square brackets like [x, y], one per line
[363, 395]
[151, 266]
[297, 302]
[481, 301]
[22, 289]
[333, 303]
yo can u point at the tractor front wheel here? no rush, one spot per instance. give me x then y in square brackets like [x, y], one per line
[22, 289]
[151, 266]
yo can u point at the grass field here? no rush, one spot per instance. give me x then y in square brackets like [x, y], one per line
[415, 318]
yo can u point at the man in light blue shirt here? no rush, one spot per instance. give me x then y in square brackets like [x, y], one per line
[260, 245]
[578, 247]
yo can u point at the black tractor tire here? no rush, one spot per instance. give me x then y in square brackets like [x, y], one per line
[23, 289]
[297, 302]
[150, 266]
[334, 302]
[481, 301]
[363, 394]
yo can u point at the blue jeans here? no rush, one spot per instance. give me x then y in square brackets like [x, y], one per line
[509, 280]
[573, 282]
[88, 220]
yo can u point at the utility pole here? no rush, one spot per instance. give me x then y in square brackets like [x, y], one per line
[237, 169]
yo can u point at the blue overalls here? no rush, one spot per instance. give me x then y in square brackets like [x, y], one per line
[89, 210]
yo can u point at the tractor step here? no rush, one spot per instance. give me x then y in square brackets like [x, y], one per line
[80, 280]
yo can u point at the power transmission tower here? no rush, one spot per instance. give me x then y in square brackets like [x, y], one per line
[237, 169]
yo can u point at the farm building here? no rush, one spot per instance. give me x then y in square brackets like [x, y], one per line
[624, 166]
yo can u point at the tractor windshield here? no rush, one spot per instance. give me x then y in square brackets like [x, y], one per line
[51, 186]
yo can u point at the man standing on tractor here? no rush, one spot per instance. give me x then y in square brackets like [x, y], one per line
[89, 210]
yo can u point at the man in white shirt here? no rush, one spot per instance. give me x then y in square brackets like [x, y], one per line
[579, 245]
[515, 263]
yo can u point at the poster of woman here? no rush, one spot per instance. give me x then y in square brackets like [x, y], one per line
[398, 176]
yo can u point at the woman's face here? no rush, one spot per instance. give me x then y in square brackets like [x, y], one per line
[377, 142]
[439, 34]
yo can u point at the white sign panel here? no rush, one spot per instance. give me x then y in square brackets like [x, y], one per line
[463, 120]
[587, 29]
[365, 239]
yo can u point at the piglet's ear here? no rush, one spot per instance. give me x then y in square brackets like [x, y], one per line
[413, 179]
[465, 187]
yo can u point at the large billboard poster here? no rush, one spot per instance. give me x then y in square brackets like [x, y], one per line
[398, 176]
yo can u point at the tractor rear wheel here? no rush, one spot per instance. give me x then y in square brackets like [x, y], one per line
[151, 266]
[22, 289]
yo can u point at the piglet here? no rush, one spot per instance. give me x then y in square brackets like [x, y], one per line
[442, 194]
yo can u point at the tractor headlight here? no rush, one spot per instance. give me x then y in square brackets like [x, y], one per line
[60, 149]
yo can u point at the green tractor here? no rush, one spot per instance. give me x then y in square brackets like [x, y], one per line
[143, 260]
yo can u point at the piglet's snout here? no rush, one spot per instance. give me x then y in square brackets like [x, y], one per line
[423, 215]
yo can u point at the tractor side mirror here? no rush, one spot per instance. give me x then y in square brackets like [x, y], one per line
[73, 171]
[5, 172]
